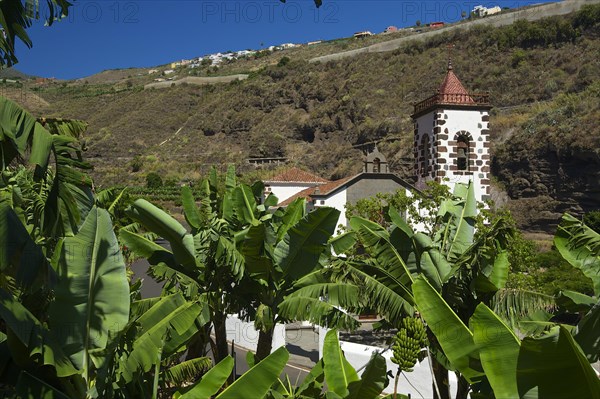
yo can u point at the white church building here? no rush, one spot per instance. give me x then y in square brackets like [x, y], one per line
[451, 137]
[451, 145]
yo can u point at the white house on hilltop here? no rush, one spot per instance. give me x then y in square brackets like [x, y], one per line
[482, 11]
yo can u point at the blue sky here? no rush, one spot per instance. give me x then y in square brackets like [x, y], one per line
[108, 34]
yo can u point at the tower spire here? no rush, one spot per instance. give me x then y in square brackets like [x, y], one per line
[450, 47]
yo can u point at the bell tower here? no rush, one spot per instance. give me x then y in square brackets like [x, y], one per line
[451, 137]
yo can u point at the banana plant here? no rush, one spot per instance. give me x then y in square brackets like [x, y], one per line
[205, 261]
[280, 251]
[465, 267]
[497, 364]
[138, 358]
[255, 383]
[91, 301]
[334, 377]
[54, 198]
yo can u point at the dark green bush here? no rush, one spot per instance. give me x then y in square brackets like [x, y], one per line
[153, 180]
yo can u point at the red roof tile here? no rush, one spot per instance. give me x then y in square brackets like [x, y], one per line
[452, 91]
[322, 189]
[295, 175]
[302, 194]
[327, 188]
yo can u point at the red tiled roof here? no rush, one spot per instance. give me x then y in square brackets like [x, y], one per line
[452, 91]
[322, 189]
[295, 175]
[327, 188]
[302, 194]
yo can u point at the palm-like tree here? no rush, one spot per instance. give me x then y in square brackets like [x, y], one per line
[464, 267]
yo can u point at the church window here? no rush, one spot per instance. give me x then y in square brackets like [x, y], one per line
[426, 155]
[376, 165]
[462, 153]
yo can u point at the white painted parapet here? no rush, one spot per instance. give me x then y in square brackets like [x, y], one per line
[245, 335]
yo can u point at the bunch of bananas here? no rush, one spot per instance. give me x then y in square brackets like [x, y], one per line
[408, 343]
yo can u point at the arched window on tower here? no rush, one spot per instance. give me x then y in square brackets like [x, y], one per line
[462, 153]
[376, 165]
[425, 148]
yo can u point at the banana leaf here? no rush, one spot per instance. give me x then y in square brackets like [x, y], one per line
[211, 382]
[297, 254]
[498, 351]
[339, 374]
[244, 204]
[164, 328]
[33, 337]
[587, 334]
[92, 296]
[580, 246]
[255, 383]
[190, 210]
[30, 387]
[459, 217]
[454, 337]
[160, 223]
[553, 366]
[388, 257]
[20, 256]
[372, 381]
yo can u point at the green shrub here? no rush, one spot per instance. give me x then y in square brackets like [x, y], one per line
[153, 180]
[592, 220]
[137, 163]
[283, 61]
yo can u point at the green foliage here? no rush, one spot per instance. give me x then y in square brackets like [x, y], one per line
[420, 208]
[92, 295]
[518, 56]
[153, 180]
[588, 16]
[592, 220]
[341, 378]
[283, 61]
[137, 163]
[510, 367]
[580, 246]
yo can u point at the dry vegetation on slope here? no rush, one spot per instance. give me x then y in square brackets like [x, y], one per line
[313, 114]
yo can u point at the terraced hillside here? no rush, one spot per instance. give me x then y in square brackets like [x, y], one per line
[543, 78]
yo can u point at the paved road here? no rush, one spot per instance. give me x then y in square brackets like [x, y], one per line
[302, 343]
[530, 14]
[295, 373]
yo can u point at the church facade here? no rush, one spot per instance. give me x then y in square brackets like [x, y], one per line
[375, 178]
[451, 145]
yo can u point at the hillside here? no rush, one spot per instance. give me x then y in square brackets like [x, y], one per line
[542, 76]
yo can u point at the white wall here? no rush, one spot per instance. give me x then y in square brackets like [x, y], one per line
[245, 335]
[470, 121]
[337, 201]
[458, 120]
[284, 191]
[418, 383]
